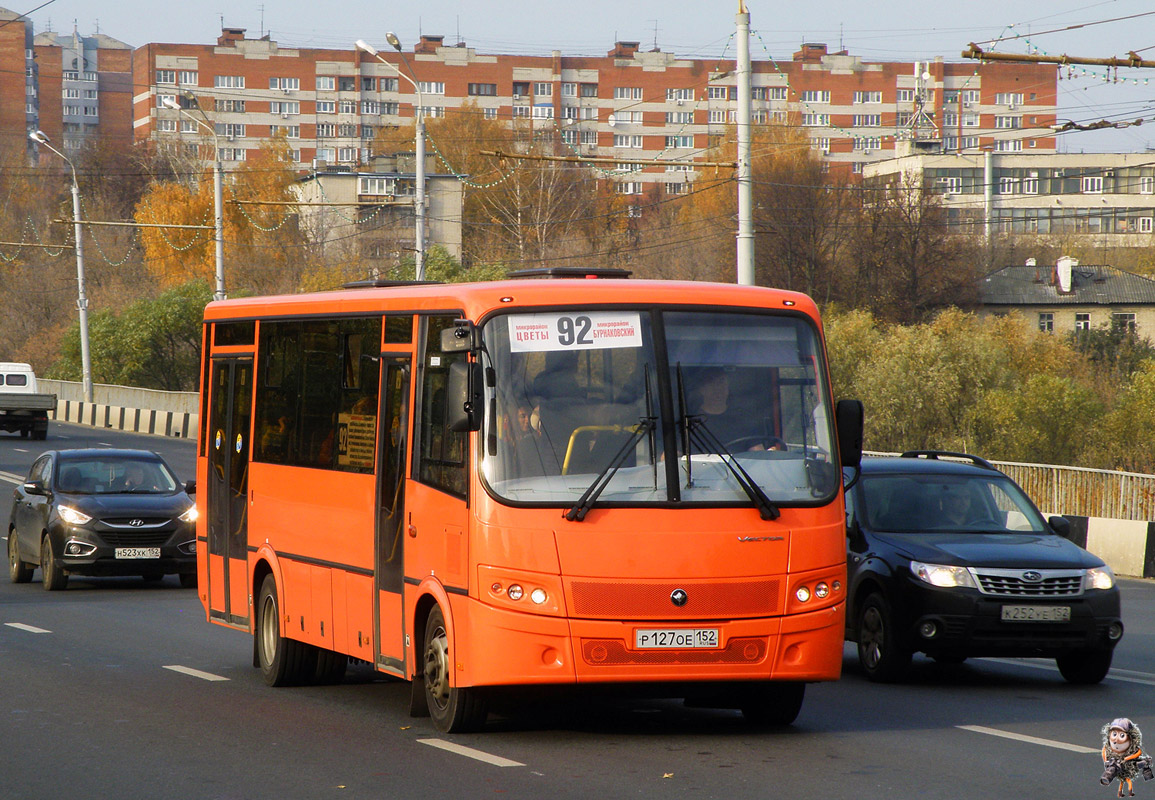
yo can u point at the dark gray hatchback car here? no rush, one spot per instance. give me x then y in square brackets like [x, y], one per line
[102, 512]
[947, 556]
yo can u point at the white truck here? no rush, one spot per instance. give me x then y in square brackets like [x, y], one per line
[22, 407]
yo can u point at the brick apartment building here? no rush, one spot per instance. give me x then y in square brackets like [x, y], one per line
[17, 80]
[630, 104]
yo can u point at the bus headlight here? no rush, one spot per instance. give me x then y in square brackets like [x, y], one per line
[521, 591]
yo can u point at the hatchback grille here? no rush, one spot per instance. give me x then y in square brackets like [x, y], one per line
[1018, 582]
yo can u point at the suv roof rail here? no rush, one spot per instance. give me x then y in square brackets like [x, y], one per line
[935, 454]
[572, 272]
[379, 283]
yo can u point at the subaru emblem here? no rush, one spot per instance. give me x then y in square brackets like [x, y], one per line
[679, 597]
[1032, 577]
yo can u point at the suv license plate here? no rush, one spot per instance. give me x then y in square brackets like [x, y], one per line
[675, 638]
[1036, 614]
[138, 552]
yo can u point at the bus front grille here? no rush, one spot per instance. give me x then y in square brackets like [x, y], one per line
[613, 652]
[640, 600]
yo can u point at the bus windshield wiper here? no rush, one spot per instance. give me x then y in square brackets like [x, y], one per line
[590, 496]
[700, 434]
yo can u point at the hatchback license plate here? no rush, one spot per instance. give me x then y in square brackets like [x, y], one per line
[1036, 614]
[138, 552]
[675, 638]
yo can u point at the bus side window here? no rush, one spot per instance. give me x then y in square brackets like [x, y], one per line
[441, 453]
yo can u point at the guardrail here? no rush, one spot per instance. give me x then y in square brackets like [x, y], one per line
[126, 408]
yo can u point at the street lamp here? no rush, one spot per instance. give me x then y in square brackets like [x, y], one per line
[419, 124]
[81, 299]
[219, 222]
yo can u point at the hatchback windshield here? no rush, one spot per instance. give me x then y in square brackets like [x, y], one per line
[663, 406]
[114, 476]
[931, 503]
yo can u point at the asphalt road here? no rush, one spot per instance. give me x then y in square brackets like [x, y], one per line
[116, 688]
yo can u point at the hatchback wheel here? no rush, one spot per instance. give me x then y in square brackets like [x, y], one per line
[882, 656]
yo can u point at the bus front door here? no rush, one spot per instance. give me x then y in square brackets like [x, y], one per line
[388, 611]
[230, 410]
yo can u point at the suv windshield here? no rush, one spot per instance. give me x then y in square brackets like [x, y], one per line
[927, 503]
[114, 476]
[656, 406]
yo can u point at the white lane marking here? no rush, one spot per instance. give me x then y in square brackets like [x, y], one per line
[1124, 675]
[196, 673]
[1019, 737]
[10, 478]
[469, 752]
[28, 628]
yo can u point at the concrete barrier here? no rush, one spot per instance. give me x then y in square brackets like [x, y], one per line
[160, 422]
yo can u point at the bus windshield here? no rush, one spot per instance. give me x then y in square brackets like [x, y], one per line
[662, 406]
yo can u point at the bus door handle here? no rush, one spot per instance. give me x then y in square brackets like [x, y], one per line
[412, 528]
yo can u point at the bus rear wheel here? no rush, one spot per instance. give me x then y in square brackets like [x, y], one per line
[772, 703]
[283, 662]
[453, 709]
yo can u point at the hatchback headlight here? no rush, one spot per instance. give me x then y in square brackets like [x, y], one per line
[942, 575]
[190, 515]
[72, 516]
[1099, 578]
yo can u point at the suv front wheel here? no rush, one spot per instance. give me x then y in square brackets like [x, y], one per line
[1085, 666]
[882, 656]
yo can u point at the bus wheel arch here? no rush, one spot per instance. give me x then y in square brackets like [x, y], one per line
[282, 661]
[453, 708]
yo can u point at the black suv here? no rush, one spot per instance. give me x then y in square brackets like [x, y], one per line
[947, 556]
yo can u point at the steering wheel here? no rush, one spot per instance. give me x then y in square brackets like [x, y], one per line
[747, 443]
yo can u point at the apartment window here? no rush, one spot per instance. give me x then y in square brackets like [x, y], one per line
[626, 117]
[433, 112]
[629, 187]
[432, 87]
[815, 120]
[543, 89]
[1146, 224]
[1008, 185]
[488, 113]
[970, 120]
[867, 97]
[588, 90]
[543, 112]
[188, 126]
[1123, 322]
[907, 96]
[1006, 122]
[1047, 322]
[627, 140]
[821, 144]
[951, 184]
[569, 90]
[166, 125]
[815, 96]
[370, 107]
[379, 186]
[368, 83]
[1082, 322]
[569, 137]
[1146, 184]
[72, 94]
[627, 93]
[162, 101]
[776, 92]
[285, 84]
[166, 76]
[187, 77]
[348, 130]
[867, 143]
[589, 112]
[1092, 184]
[326, 83]
[387, 84]
[903, 118]
[676, 188]
[718, 93]
[288, 131]
[679, 95]
[326, 154]
[347, 107]
[346, 153]
[867, 120]
[1009, 98]
[679, 117]
[368, 132]
[671, 167]
[1031, 184]
[717, 115]
[758, 93]
[232, 153]
[346, 83]
[483, 89]
[229, 106]
[1008, 145]
[285, 107]
[233, 129]
[521, 111]
[229, 81]
[679, 141]
[521, 88]
[326, 107]
[326, 130]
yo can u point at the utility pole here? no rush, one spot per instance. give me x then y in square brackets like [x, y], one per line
[745, 171]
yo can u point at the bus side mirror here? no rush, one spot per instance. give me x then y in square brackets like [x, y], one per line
[848, 417]
[463, 397]
[460, 338]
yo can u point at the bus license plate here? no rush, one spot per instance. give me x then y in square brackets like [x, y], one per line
[138, 552]
[675, 638]
[1036, 614]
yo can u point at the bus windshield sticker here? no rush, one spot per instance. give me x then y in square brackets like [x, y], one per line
[577, 330]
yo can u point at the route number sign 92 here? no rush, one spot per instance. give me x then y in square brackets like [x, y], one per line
[575, 330]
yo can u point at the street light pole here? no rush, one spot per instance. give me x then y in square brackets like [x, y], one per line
[218, 197]
[81, 298]
[419, 125]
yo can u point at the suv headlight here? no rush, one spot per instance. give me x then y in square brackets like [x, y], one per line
[72, 516]
[190, 515]
[942, 575]
[1099, 578]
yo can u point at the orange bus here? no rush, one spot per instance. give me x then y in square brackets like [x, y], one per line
[540, 481]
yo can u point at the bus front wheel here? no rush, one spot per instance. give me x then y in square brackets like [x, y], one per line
[283, 662]
[453, 709]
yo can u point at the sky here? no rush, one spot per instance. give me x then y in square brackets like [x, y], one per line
[898, 30]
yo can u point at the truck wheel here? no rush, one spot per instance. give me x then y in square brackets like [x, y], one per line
[40, 433]
[454, 709]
